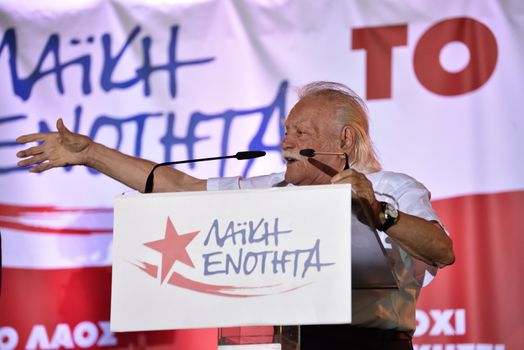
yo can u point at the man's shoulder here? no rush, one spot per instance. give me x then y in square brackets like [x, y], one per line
[390, 176]
[394, 182]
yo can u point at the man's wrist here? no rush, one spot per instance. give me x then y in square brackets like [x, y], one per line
[88, 155]
[387, 217]
[378, 216]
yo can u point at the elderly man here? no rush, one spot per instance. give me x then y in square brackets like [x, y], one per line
[328, 117]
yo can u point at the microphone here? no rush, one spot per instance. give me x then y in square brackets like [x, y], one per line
[310, 153]
[239, 156]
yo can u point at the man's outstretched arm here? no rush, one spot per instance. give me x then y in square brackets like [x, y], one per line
[62, 148]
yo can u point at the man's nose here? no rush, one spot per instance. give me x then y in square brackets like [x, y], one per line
[286, 143]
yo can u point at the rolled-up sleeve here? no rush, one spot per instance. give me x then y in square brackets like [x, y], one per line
[237, 182]
[223, 183]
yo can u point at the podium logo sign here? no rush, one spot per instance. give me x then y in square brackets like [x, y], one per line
[229, 258]
[253, 249]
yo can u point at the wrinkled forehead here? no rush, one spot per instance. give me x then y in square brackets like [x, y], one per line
[314, 112]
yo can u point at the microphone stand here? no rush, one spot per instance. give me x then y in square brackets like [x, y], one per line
[240, 156]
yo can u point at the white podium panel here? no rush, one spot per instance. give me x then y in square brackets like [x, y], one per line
[232, 258]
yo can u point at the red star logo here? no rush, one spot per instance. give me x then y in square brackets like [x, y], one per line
[173, 248]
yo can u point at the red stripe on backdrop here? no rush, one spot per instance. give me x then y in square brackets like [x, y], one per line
[486, 281]
[21, 210]
[43, 219]
[41, 229]
[69, 308]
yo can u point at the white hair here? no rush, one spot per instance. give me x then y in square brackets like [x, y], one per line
[350, 110]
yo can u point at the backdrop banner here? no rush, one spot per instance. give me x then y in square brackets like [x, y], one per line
[176, 80]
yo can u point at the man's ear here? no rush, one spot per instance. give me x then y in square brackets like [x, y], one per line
[347, 138]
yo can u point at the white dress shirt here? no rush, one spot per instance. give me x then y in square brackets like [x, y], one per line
[380, 308]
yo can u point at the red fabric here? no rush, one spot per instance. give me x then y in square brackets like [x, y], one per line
[61, 300]
[486, 279]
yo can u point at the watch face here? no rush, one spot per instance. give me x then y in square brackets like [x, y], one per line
[391, 211]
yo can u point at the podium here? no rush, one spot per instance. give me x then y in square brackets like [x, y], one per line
[264, 257]
[259, 338]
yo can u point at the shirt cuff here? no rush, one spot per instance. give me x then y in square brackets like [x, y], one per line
[223, 183]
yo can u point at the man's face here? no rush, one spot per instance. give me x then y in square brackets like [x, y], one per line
[311, 124]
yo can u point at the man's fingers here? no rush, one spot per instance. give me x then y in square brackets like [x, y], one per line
[33, 160]
[360, 184]
[60, 126]
[41, 167]
[30, 151]
[38, 137]
[37, 155]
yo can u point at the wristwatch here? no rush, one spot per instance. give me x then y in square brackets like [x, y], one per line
[390, 214]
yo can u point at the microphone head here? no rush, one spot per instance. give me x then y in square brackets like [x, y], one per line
[249, 154]
[308, 152]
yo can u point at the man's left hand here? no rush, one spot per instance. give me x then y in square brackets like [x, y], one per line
[361, 186]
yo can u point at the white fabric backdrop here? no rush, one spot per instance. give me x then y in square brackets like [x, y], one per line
[221, 78]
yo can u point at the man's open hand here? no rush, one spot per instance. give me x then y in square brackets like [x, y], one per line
[56, 149]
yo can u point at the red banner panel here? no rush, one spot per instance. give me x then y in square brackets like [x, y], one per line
[69, 308]
[477, 301]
